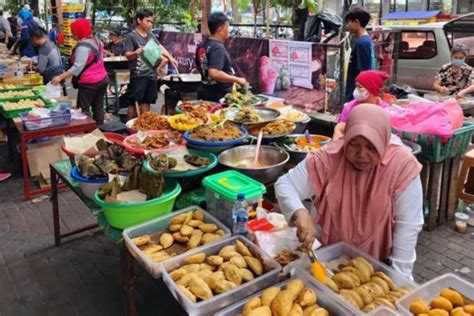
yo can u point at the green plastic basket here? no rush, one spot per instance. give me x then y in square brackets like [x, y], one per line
[433, 149]
[189, 173]
[15, 113]
[123, 215]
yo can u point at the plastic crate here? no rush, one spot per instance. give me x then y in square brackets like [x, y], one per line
[40, 123]
[16, 113]
[73, 15]
[433, 149]
[73, 8]
[70, 42]
[431, 289]
[25, 80]
[157, 225]
[210, 306]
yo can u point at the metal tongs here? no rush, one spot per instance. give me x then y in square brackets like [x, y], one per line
[318, 269]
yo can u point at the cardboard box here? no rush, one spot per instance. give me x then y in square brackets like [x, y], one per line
[40, 155]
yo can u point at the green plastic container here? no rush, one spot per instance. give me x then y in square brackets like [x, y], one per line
[222, 190]
[15, 113]
[189, 173]
[433, 149]
[123, 215]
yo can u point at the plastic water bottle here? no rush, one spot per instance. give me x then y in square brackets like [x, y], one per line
[240, 216]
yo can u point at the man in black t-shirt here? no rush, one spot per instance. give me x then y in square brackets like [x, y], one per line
[115, 47]
[214, 63]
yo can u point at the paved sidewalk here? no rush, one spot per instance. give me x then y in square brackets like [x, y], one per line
[82, 277]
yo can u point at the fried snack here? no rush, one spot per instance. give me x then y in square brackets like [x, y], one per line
[204, 273]
[438, 312]
[454, 297]
[269, 294]
[242, 249]
[295, 286]
[232, 273]
[208, 228]
[220, 275]
[469, 308]
[197, 258]
[166, 240]
[227, 255]
[178, 274]
[253, 303]
[155, 141]
[150, 121]
[307, 297]
[188, 293]
[379, 281]
[186, 230]
[198, 215]
[332, 285]
[260, 311]
[278, 127]
[175, 228]
[247, 115]
[159, 256]
[365, 294]
[362, 276]
[152, 248]
[205, 266]
[254, 264]
[220, 232]
[226, 249]
[346, 280]
[282, 303]
[194, 240]
[442, 303]
[207, 133]
[238, 261]
[141, 240]
[369, 307]
[363, 266]
[179, 219]
[318, 311]
[180, 238]
[284, 257]
[355, 297]
[215, 260]
[459, 311]
[383, 301]
[296, 310]
[194, 223]
[224, 285]
[208, 237]
[199, 288]
[386, 278]
[374, 289]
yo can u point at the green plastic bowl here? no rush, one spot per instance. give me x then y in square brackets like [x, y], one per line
[123, 215]
[189, 173]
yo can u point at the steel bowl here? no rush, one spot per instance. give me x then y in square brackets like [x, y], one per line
[287, 143]
[266, 116]
[273, 160]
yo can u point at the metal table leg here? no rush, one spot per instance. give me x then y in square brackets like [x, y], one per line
[129, 278]
[54, 201]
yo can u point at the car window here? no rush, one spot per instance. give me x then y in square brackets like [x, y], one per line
[417, 45]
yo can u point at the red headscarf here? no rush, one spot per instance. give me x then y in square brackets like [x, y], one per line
[357, 206]
[372, 80]
[82, 28]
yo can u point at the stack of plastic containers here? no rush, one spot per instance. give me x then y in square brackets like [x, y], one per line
[71, 12]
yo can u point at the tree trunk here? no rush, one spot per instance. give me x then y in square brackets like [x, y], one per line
[35, 6]
[299, 20]
[206, 11]
[235, 11]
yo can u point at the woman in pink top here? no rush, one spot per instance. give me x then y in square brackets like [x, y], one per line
[368, 89]
[88, 70]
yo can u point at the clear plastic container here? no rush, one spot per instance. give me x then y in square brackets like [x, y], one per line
[336, 251]
[160, 224]
[209, 307]
[323, 300]
[431, 289]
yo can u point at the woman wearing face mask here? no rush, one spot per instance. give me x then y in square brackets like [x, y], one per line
[366, 191]
[368, 89]
[455, 78]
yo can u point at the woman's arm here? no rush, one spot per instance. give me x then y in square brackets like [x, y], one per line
[440, 88]
[468, 90]
[408, 224]
[80, 60]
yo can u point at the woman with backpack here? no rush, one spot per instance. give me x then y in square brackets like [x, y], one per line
[88, 72]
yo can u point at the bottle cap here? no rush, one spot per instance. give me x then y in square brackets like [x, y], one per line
[240, 197]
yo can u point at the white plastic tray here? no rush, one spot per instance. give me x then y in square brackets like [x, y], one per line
[431, 289]
[324, 301]
[336, 251]
[208, 307]
[159, 224]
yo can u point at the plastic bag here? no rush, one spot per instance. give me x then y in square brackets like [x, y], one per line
[51, 91]
[440, 119]
[151, 53]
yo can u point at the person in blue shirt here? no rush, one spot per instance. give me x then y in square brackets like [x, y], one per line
[362, 55]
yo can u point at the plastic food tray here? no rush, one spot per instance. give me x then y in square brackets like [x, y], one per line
[140, 151]
[16, 113]
[209, 307]
[323, 300]
[431, 289]
[160, 224]
[337, 250]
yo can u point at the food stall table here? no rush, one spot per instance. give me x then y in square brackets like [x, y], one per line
[75, 127]
[119, 74]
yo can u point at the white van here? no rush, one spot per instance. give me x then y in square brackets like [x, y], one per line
[424, 48]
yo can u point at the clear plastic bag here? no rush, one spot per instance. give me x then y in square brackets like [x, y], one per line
[51, 91]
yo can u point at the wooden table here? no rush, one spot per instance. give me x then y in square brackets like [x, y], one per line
[76, 127]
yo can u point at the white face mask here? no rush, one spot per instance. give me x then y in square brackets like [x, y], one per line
[360, 95]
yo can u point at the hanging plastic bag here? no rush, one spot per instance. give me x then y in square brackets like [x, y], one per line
[51, 91]
[151, 53]
[440, 119]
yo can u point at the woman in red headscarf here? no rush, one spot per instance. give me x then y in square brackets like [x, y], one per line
[88, 71]
[368, 89]
[365, 188]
